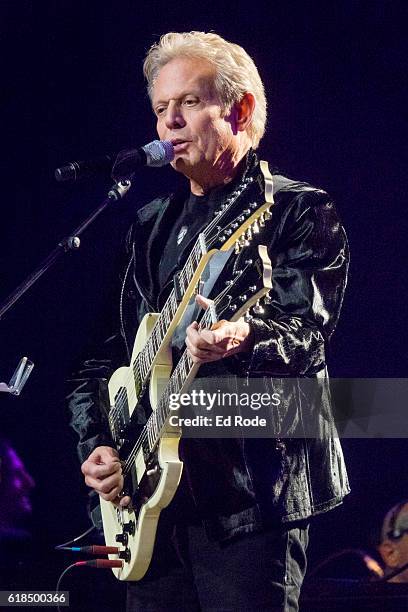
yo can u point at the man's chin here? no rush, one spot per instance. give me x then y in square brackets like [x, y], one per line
[183, 165]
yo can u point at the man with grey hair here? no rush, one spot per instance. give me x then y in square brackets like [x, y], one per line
[251, 498]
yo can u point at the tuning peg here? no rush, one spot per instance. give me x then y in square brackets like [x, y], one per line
[246, 212]
[228, 232]
[237, 247]
[253, 205]
[233, 307]
[267, 298]
[262, 220]
[255, 227]
[268, 214]
[243, 242]
[252, 288]
[258, 309]
[234, 225]
[248, 234]
[243, 298]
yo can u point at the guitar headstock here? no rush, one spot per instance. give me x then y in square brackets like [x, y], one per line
[237, 229]
[247, 289]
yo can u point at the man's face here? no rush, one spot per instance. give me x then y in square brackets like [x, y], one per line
[189, 114]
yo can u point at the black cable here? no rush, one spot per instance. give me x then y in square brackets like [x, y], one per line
[76, 539]
[59, 581]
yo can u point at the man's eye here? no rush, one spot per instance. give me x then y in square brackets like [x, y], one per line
[160, 110]
[190, 101]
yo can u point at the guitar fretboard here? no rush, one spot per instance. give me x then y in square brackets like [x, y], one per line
[144, 360]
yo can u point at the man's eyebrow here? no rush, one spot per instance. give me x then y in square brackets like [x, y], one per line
[180, 97]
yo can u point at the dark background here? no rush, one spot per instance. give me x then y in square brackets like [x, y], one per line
[72, 87]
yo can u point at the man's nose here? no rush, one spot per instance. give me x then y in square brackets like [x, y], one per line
[174, 117]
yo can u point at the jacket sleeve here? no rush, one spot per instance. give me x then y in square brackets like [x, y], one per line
[88, 399]
[309, 272]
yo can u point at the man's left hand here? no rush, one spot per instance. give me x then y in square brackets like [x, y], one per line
[225, 338]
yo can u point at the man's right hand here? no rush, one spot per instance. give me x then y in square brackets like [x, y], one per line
[103, 473]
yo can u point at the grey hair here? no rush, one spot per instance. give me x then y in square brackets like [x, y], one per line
[236, 73]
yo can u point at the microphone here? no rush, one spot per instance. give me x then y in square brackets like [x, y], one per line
[119, 165]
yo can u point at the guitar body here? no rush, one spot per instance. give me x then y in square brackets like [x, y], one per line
[152, 486]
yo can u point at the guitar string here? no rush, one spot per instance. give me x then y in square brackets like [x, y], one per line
[184, 275]
[145, 433]
[141, 362]
[123, 398]
[127, 398]
[157, 414]
[163, 400]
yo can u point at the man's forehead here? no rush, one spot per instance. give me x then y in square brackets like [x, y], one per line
[184, 75]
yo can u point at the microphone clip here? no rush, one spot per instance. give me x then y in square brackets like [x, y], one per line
[19, 378]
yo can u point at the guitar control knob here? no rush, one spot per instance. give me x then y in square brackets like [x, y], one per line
[123, 538]
[130, 527]
[125, 555]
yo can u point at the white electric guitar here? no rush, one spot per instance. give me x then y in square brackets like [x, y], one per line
[152, 469]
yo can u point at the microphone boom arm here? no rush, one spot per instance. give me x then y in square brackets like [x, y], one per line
[71, 243]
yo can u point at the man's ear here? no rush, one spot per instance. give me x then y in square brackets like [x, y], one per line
[242, 112]
[389, 553]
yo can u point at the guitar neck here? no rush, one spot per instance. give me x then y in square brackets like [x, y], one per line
[169, 316]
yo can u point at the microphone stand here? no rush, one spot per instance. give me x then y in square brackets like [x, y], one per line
[70, 243]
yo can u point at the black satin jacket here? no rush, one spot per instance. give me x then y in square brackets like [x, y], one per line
[244, 485]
